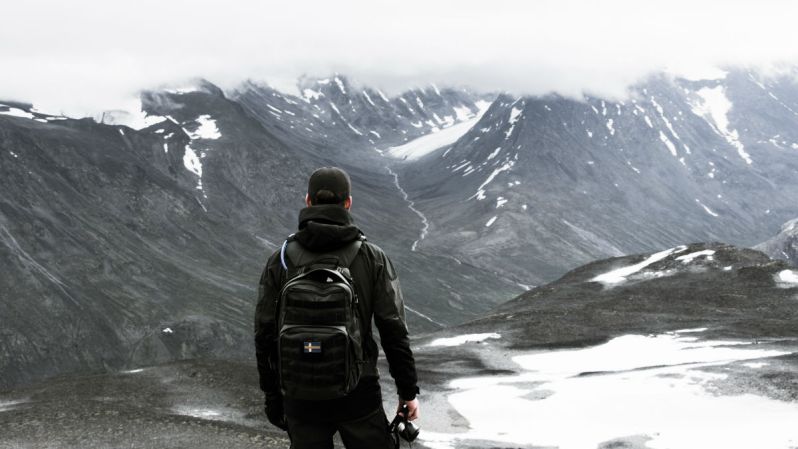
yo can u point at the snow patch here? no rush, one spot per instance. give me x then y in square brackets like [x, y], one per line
[16, 112]
[480, 195]
[192, 162]
[694, 330]
[714, 107]
[610, 127]
[219, 414]
[687, 258]
[491, 221]
[310, 94]
[368, 98]
[755, 365]
[706, 209]
[206, 129]
[668, 143]
[11, 405]
[340, 85]
[354, 129]
[463, 339]
[787, 278]
[428, 143]
[619, 275]
[515, 113]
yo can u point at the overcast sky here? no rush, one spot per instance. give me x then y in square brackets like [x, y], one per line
[79, 56]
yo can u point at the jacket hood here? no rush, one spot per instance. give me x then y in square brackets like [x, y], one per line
[326, 227]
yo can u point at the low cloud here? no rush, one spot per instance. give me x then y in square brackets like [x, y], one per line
[80, 57]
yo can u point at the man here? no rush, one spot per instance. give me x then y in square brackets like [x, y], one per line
[326, 225]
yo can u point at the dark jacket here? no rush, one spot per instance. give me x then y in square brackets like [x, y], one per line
[326, 228]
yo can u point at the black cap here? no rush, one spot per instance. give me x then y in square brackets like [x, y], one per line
[332, 179]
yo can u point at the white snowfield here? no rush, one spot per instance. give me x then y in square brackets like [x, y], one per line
[646, 388]
[617, 276]
[463, 339]
[428, 143]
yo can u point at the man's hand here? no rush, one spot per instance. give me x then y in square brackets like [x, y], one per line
[412, 409]
[274, 410]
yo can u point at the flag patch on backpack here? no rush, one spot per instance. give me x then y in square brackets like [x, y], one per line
[312, 347]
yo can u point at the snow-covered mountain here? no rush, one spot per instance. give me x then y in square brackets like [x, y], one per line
[543, 184]
[130, 245]
[333, 110]
[137, 237]
[145, 229]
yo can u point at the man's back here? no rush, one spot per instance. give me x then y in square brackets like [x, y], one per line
[324, 228]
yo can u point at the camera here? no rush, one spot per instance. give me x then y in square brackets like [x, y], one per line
[403, 428]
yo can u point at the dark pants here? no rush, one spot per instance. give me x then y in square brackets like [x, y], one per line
[368, 432]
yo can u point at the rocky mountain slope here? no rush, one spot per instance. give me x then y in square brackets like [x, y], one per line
[146, 229]
[784, 246]
[734, 292]
[129, 245]
[543, 184]
[113, 251]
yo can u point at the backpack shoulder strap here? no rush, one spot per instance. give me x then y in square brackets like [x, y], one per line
[348, 254]
[296, 254]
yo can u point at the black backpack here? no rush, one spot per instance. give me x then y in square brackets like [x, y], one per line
[320, 352]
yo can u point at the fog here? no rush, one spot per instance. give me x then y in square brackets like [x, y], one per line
[80, 57]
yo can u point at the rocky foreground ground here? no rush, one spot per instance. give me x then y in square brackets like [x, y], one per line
[694, 347]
